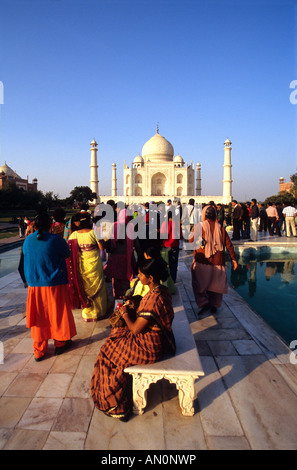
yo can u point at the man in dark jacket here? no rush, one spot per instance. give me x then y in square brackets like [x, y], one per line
[221, 213]
[263, 218]
[237, 216]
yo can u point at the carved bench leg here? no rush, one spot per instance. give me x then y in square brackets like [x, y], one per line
[140, 386]
[186, 393]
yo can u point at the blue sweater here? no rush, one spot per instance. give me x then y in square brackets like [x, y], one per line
[45, 260]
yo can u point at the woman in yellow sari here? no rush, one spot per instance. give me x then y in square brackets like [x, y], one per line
[86, 278]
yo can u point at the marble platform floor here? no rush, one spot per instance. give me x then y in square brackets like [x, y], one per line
[247, 399]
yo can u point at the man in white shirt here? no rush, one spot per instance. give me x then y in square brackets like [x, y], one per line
[289, 214]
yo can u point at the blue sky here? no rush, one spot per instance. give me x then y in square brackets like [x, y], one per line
[205, 70]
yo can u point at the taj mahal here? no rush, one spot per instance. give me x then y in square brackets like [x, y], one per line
[158, 174]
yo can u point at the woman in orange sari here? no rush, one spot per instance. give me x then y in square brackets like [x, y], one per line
[48, 311]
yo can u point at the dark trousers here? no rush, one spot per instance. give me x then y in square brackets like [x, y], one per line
[173, 261]
[236, 229]
[273, 226]
[270, 223]
[263, 225]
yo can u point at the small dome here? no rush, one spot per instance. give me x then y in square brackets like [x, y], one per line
[157, 148]
[138, 159]
[93, 143]
[178, 159]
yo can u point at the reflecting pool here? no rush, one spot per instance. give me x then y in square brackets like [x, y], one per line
[269, 286]
[9, 261]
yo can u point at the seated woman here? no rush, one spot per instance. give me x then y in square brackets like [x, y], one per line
[86, 278]
[153, 252]
[142, 341]
[136, 287]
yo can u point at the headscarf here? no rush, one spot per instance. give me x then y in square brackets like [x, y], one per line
[214, 241]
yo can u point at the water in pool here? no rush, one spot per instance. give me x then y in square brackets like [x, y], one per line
[9, 261]
[270, 288]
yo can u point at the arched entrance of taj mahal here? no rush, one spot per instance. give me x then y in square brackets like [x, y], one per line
[158, 184]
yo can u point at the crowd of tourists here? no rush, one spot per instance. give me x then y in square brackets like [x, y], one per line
[251, 217]
[66, 266]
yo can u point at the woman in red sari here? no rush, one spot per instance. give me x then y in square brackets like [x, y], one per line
[141, 341]
[119, 266]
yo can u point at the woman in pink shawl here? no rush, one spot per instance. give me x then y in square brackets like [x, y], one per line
[209, 279]
[119, 265]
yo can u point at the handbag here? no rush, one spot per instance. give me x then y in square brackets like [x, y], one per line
[203, 243]
[116, 319]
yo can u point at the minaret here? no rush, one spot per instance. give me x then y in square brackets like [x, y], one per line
[114, 180]
[94, 182]
[227, 181]
[198, 179]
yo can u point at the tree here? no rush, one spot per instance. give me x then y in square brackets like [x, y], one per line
[50, 199]
[82, 194]
[283, 197]
[12, 197]
[294, 181]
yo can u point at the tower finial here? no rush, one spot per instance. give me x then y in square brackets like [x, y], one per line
[157, 128]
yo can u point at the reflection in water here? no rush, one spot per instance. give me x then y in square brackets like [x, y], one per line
[247, 273]
[9, 261]
[270, 287]
[288, 273]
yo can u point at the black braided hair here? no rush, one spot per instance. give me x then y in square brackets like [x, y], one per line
[155, 267]
[42, 223]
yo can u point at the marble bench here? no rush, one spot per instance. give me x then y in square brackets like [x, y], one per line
[181, 369]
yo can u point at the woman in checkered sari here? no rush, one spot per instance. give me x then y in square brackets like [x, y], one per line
[142, 341]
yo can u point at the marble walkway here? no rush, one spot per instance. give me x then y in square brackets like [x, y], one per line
[247, 399]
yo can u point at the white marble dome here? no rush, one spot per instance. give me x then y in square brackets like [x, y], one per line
[158, 149]
[178, 159]
[138, 159]
[8, 171]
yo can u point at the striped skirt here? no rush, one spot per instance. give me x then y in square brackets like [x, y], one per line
[110, 386]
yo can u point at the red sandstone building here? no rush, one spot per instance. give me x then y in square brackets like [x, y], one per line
[8, 175]
[283, 186]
